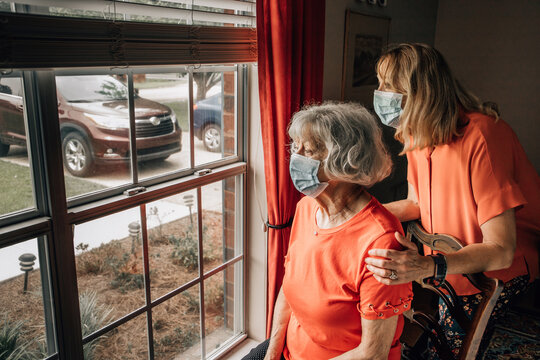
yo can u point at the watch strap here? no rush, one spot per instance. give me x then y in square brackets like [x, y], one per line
[440, 270]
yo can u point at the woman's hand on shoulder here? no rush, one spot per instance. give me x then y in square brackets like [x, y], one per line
[393, 267]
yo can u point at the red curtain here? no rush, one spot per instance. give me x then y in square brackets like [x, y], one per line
[290, 39]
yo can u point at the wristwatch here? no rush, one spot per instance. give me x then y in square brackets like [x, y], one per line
[440, 270]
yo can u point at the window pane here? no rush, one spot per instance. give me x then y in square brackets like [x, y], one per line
[110, 269]
[26, 302]
[15, 175]
[219, 215]
[223, 307]
[127, 342]
[94, 120]
[176, 327]
[172, 242]
[214, 115]
[161, 111]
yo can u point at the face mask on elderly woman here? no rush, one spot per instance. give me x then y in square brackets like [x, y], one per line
[303, 172]
[388, 106]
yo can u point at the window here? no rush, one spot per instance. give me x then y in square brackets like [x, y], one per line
[122, 220]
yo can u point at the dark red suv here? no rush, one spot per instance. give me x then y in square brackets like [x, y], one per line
[93, 113]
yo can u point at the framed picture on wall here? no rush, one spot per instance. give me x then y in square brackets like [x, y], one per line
[365, 37]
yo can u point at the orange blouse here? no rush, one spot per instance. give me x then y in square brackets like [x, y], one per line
[327, 284]
[476, 177]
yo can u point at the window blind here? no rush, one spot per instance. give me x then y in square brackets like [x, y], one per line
[39, 41]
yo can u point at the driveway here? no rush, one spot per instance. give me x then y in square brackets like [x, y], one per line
[111, 176]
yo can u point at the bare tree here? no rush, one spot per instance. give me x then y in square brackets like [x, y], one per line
[205, 81]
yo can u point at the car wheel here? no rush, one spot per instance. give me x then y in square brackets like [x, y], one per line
[77, 155]
[4, 149]
[212, 137]
[163, 158]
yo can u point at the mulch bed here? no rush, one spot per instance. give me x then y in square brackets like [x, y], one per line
[115, 274]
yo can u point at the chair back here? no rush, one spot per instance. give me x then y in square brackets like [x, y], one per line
[475, 327]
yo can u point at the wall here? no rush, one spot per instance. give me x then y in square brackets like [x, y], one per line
[256, 259]
[493, 47]
[411, 20]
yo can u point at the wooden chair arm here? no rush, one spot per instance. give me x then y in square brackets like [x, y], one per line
[490, 289]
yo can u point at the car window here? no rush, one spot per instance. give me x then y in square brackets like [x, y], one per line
[11, 86]
[91, 88]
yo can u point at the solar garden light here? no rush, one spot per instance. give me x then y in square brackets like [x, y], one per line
[188, 201]
[26, 261]
[134, 230]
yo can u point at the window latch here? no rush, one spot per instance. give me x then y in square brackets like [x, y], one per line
[134, 191]
[203, 172]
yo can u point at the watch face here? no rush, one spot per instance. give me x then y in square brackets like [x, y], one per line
[382, 2]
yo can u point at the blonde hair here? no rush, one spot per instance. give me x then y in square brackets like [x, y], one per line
[435, 98]
[352, 137]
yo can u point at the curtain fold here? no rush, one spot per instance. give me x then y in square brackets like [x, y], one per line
[290, 41]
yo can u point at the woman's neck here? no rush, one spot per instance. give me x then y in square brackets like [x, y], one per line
[339, 202]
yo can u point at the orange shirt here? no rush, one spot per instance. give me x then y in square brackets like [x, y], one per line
[328, 287]
[476, 177]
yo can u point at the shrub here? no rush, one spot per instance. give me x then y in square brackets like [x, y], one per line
[191, 304]
[155, 234]
[125, 281]
[11, 346]
[186, 249]
[99, 260]
[182, 338]
[93, 317]
[187, 335]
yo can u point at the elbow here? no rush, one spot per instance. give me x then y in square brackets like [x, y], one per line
[507, 257]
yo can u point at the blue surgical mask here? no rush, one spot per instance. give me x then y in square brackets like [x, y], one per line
[388, 106]
[303, 172]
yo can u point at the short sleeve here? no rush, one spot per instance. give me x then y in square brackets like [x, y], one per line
[380, 301]
[492, 165]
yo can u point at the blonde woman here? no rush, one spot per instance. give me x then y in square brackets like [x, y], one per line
[468, 177]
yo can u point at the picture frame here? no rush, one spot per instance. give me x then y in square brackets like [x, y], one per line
[365, 38]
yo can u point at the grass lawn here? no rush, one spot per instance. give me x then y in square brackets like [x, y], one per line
[180, 108]
[16, 187]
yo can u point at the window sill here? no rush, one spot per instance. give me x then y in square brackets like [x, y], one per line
[241, 350]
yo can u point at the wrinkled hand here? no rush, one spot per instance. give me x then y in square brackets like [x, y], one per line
[407, 264]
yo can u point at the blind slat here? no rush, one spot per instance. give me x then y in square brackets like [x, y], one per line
[246, 6]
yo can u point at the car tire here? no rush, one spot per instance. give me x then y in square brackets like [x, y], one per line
[77, 155]
[163, 158]
[212, 137]
[4, 149]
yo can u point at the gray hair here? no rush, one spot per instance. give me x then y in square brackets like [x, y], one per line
[352, 137]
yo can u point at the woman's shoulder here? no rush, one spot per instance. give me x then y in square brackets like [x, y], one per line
[486, 128]
[385, 222]
[305, 205]
[306, 202]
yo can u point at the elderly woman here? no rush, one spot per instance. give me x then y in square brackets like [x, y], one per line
[468, 177]
[330, 305]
